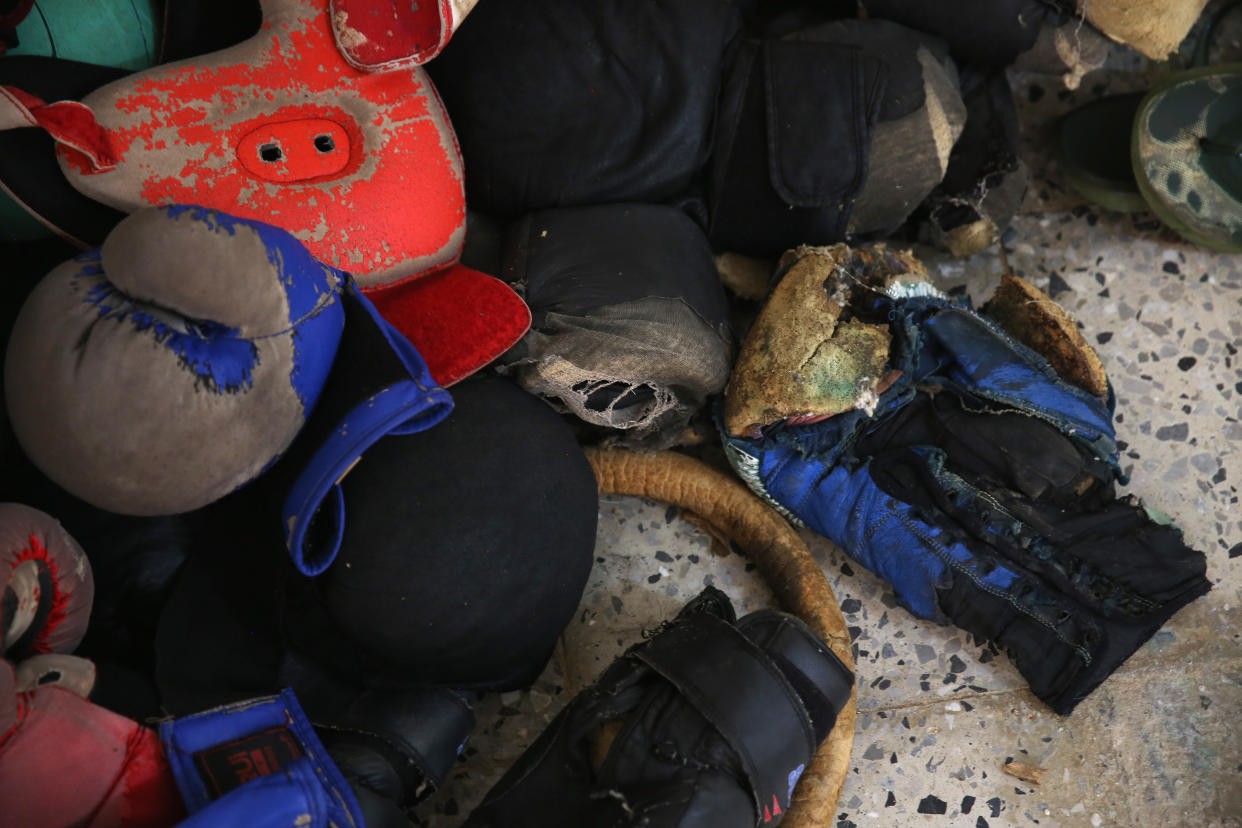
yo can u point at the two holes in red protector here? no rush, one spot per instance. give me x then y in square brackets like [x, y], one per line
[272, 153]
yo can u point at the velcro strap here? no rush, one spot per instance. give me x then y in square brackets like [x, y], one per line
[420, 731]
[822, 101]
[743, 694]
[379, 385]
[70, 123]
[262, 752]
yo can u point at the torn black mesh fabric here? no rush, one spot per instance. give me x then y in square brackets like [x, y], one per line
[629, 318]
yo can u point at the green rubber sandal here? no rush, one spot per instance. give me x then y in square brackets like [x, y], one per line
[1185, 150]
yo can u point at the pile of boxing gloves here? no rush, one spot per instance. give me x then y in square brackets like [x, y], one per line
[237, 399]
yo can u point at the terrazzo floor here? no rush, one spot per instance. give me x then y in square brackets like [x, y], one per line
[1159, 743]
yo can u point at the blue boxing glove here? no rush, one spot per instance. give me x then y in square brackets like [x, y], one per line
[257, 763]
[173, 364]
[956, 462]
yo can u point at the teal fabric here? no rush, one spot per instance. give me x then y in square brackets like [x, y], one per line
[119, 33]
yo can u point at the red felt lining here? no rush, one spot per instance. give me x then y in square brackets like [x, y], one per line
[380, 34]
[459, 319]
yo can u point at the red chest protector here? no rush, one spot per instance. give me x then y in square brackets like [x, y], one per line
[362, 168]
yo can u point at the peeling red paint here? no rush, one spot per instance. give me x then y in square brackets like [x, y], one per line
[396, 209]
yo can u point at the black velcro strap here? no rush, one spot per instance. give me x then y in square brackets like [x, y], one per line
[426, 727]
[819, 143]
[737, 688]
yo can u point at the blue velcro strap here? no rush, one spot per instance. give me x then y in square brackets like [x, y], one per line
[257, 763]
[405, 400]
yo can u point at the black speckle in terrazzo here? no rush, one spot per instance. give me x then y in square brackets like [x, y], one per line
[995, 805]
[1103, 337]
[892, 758]
[661, 555]
[845, 823]
[1186, 363]
[851, 605]
[1057, 285]
[616, 604]
[1170, 267]
[670, 514]
[854, 632]
[968, 802]
[891, 801]
[1236, 550]
[956, 665]
[846, 569]
[1174, 433]
[981, 823]
[932, 805]
[653, 578]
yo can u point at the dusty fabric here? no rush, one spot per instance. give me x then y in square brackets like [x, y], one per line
[629, 318]
[986, 178]
[800, 359]
[660, 351]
